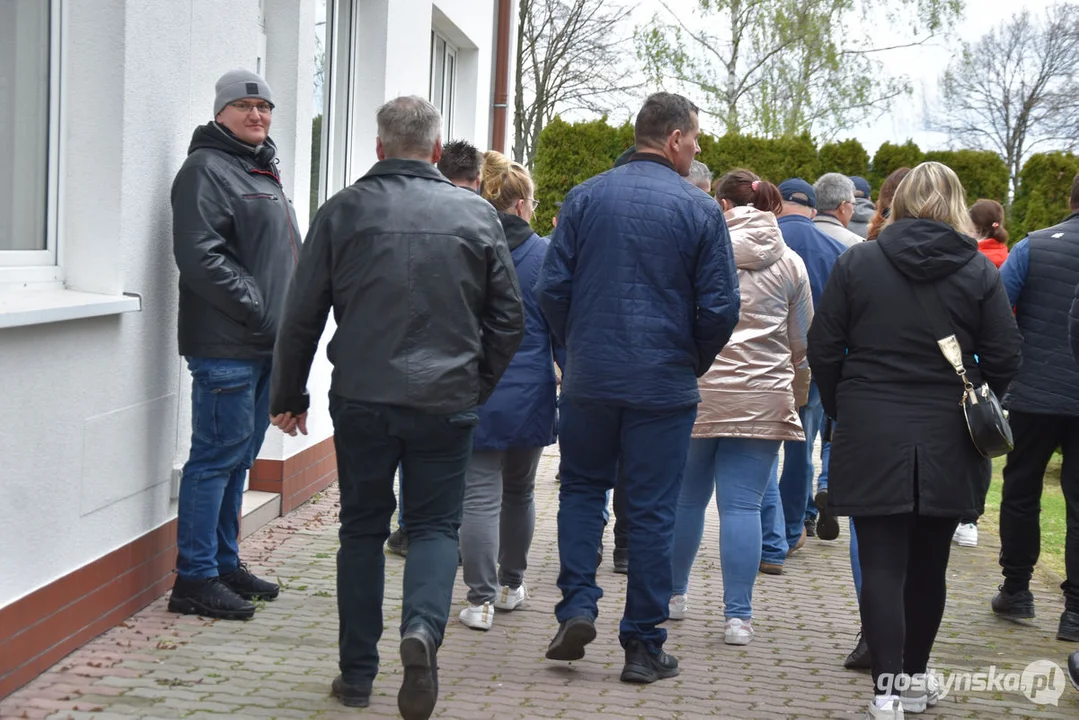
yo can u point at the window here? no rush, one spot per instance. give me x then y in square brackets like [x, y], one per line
[443, 80]
[27, 130]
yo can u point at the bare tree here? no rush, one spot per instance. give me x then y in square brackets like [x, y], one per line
[783, 67]
[1015, 89]
[570, 56]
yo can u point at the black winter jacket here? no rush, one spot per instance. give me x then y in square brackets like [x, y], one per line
[422, 287]
[1073, 325]
[236, 242]
[900, 442]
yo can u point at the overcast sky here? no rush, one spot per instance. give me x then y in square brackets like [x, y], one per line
[923, 65]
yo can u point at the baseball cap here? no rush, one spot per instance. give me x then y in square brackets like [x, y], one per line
[797, 190]
[861, 187]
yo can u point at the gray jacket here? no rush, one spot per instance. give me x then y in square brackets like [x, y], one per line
[834, 229]
[423, 290]
[863, 213]
[236, 242]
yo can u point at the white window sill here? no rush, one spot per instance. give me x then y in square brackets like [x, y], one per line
[31, 306]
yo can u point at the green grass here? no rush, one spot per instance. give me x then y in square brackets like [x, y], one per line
[1052, 517]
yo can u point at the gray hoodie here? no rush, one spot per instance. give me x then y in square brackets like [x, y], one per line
[863, 213]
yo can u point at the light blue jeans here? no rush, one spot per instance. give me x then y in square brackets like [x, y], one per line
[738, 470]
[774, 545]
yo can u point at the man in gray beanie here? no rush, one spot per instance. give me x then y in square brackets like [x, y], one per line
[236, 243]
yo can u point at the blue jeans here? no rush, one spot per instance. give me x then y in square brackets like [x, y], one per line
[773, 528]
[855, 566]
[739, 470]
[822, 479]
[646, 450]
[230, 411]
[796, 482]
[433, 450]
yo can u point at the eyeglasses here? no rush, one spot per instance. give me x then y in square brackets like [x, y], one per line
[535, 204]
[263, 108]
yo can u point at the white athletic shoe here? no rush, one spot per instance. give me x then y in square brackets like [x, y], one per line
[478, 617]
[509, 598]
[966, 535]
[737, 632]
[677, 608]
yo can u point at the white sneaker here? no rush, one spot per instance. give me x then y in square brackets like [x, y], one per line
[737, 632]
[510, 599]
[892, 710]
[924, 692]
[478, 617]
[677, 608]
[966, 535]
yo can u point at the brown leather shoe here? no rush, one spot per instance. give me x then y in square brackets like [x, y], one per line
[799, 544]
[771, 568]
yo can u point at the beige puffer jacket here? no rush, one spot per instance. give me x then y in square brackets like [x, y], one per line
[756, 385]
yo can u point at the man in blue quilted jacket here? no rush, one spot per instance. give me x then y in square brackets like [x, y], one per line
[640, 286]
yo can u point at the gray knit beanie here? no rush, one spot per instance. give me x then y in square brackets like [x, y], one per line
[238, 84]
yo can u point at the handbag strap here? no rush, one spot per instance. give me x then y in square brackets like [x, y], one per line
[943, 331]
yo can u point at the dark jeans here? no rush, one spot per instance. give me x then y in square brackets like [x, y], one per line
[371, 440]
[230, 411]
[651, 447]
[796, 481]
[1036, 439]
[621, 529]
[904, 561]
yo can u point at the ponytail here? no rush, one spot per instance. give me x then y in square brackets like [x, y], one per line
[743, 187]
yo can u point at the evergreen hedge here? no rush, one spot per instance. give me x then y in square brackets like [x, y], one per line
[570, 153]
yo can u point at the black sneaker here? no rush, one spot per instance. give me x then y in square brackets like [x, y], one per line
[621, 560]
[249, 587]
[210, 598]
[643, 666]
[811, 527]
[1073, 669]
[354, 696]
[827, 524]
[1068, 630]
[398, 543]
[860, 658]
[419, 690]
[1014, 604]
[568, 643]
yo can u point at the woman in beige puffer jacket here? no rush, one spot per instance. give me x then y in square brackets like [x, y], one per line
[749, 401]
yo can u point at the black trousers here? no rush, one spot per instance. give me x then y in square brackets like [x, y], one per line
[1036, 439]
[904, 560]
[621, 531]
[371, 440]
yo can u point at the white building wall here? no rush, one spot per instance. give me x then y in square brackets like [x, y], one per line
[99, 409]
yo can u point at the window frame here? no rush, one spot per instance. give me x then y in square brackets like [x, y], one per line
[42, 265]
[449, 65]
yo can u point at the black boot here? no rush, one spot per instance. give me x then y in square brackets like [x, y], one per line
[621, 560]
[398, 542]
[1073, 669]
[350, 695]
[860, 657]
[419, 690]
[208, 597]
[1068, 630]
[643, 666]
[249, 587]
[811, 526]
[827, 524]
[1014, 604]
[568, 643]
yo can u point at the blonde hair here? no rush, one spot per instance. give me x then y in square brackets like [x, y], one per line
[932, 191]
[503, 182]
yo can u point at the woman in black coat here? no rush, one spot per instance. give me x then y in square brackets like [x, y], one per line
[903, 464]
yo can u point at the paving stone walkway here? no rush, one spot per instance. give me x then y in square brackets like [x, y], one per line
[279, 665]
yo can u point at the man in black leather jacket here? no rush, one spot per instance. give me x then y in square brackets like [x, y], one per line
[236, 243]
[428, 309]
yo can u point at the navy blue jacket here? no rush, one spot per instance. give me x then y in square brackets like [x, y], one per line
[1040, 275]
[817, 250]
[521, 411]
[640, 285]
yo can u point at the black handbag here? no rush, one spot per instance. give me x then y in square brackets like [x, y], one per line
[986, 420]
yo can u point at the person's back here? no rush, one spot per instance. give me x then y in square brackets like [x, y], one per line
[429, 315]
[639, 286]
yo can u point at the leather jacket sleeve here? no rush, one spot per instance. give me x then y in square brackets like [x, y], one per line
[310, 298]
[502, 319]
[200, 213]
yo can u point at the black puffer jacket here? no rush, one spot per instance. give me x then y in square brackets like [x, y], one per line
[236, 242]
[422, 287]
[900, 439]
